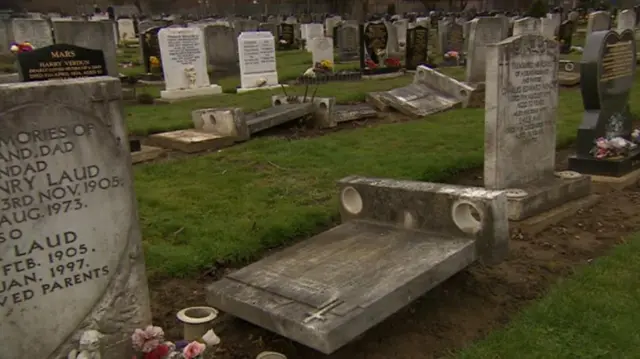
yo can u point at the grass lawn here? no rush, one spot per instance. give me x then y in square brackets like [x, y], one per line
[234, 204]
[593, 314]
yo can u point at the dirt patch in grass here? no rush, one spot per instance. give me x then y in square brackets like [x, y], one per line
[463, 309]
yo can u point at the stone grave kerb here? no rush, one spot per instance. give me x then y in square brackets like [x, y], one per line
[605, 95]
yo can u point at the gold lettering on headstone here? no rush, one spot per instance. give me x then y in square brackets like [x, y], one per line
[617, 61]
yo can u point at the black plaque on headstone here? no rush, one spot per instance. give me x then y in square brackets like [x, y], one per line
[607, 72]
[287, 36]
[60, 61]
[416, 47]
[150, 46]
[376, 36]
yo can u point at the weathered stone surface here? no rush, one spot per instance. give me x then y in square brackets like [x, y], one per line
[346, 113]
[146, 153]
[418, 100]
[77, 257]
[482, 32]
[226, 122]
[323, 115]
[398, 240]
[375, 99]
[274, 116]
[190, 141]
[468, 96]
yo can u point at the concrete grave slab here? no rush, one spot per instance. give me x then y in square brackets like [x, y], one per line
[397, 240]
[469, 96]
[418, 100]
[347, 113]
[190, 141]
[146, 153]
[277, 115]
[323, 115]
[375, 100]
[226, 122]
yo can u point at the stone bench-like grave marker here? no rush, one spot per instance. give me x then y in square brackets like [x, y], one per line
[431, 92]
[215, 128]
[608, 68]
[521, 99]
[184, 63]
[397, 240]
[70, 242]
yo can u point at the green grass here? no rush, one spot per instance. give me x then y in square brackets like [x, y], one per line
[232, 205]
[594, 314]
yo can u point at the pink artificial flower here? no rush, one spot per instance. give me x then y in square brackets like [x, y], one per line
[148, 339]
[193, 350]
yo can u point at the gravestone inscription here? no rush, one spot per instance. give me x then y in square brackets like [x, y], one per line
[61, 61]
[376, 37]
[607, 72]
[70, 243]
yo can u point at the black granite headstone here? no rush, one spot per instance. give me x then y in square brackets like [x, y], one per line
[416, 48]
[607, 72]
[376, 36]
[150, 46]
[287, 36]
[60, 61]
[565, 36]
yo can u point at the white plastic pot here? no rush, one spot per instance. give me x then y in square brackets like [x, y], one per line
[196, 321]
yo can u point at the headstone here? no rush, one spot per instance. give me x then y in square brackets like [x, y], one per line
[549, 28]
[401, 27]
[376, 39]
[417, 47]
[626, 20]
[126, 30]
[573, 16]
[60, 61]
[482, 32]
[348, 42]
[598, 21]
[565, 36]
[222, 48]
[71, 244]
[6, 36]
[527, 25]
[607, 72]
[257, 61]
[97, 35]
[184, 63]
[321, 49]
[520, 117]
[453, 40]
[150, 47]
[555, 19]
[287, 36]
[309, 31]
[36, 32]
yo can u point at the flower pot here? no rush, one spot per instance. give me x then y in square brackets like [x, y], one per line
[271, 355]
[196, 321]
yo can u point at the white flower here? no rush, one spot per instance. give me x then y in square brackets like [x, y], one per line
[210, 338]
[309, 73]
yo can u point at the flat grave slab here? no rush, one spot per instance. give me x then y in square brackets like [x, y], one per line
[346, 113]
[418, 100]
[190, 141]
[146, 153]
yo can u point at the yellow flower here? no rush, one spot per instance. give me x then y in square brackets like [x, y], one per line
[154, 61]
[328, 64]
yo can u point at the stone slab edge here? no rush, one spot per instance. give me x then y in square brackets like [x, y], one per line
[459, 90]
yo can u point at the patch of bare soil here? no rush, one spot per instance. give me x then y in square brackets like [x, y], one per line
[463, 309]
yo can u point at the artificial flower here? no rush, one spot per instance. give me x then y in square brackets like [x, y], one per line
[160, 352]
[327, 64]
[148, 339]
[193, 350]
[390, 62]
[451, 54]
[210, 338]
[370, 64]
[309, 73]
[154, 61]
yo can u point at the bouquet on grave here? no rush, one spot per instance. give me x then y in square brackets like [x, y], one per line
[149, 343]
[451, 55]
[20, 47]
[392, 62]
[612, 148]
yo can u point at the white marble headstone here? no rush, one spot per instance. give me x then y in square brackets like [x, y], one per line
[521, 101]
[482, 32]
[70, 242]
[126, 30]
[626, 20]
[257, 53]
[184, 63]
[527, 25]
[37, 32]
[321, 49]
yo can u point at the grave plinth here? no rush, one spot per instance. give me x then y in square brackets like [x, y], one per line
[521, 99]
[607, 72]
[397, 240]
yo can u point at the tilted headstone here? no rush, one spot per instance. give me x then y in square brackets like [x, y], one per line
[482, 32]
[521, 103]
[607, 72]
[60, 61]
[598, 21]
[184, 63]
[70, 242]
[97, 35]
[416, 47]
[257, 52]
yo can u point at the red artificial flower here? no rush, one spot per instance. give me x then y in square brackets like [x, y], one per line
[370, 64]
[392, 62]
[159, 352]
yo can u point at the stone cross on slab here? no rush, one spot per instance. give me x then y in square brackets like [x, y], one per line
[324, 309]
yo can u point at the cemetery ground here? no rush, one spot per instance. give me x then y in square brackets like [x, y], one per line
[204, 216]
